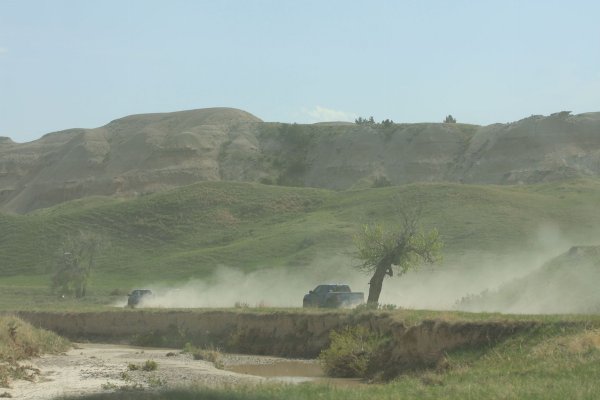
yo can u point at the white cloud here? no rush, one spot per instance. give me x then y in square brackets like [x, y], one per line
[322, 114]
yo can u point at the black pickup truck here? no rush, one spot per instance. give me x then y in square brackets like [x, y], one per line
[136, 296]
[333, 296]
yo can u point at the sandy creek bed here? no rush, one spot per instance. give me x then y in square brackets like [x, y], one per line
[92, 368]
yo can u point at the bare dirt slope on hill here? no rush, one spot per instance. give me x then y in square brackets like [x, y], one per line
[153, 152]
[135, 154]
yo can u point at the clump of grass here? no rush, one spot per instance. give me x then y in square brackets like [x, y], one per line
[156, 382]
[133, 367]
[576, 344]
[350, 352]
[212, 355]
[4, 376]
[149, 365]
[109, 386]
[374, 307]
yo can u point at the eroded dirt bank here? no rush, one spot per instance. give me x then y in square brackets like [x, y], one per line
[281, 333]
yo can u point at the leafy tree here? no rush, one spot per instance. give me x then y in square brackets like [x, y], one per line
[365, 121]
[450, 120]
[383, 251]
[371, 121]
[76, 260]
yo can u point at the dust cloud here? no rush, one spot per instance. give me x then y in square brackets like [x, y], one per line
[442, 287]
[439, 287]
[269, 287]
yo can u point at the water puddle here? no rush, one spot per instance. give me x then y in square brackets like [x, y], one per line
[294, 371]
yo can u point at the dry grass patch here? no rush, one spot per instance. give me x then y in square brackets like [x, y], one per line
[212, 355]
[579, 343]
[20, 341]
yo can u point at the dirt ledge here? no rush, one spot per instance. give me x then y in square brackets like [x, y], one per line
[288, 334]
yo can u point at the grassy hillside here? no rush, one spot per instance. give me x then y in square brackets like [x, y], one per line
[188, 232]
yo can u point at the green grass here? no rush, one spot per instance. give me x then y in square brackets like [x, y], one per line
[189, 232]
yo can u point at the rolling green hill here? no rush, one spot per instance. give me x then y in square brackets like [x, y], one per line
[189, 231]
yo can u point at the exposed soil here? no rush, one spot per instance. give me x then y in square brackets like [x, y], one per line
[283, 333]
[93, 368]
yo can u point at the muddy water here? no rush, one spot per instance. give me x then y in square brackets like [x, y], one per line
[293, 371]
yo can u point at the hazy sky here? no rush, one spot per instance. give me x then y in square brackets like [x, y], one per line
[67, 64]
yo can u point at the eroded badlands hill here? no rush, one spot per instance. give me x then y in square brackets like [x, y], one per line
[153, 152]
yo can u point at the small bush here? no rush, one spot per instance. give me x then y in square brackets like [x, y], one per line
[350, 352]
[109, 386]
[211, 354]
[133, 367]
[149, 365]
[4, 376]
[155, 382]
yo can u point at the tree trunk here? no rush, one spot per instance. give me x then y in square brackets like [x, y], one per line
[376, 282]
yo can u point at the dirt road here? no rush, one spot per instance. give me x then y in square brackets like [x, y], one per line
[93, 368]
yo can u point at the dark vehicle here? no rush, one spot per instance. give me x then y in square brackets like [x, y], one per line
[137, 295]
[333, 296]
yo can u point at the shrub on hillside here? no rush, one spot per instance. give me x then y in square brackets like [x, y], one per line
[350, 352]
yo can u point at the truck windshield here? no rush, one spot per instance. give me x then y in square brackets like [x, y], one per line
[342, 288]
[332, 288]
